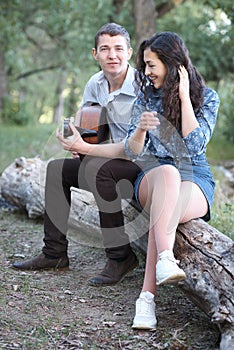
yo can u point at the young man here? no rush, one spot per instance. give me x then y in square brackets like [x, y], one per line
[112, 88]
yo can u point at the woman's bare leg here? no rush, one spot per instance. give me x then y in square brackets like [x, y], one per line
[149, 283]
[153, 197]
[169, 202]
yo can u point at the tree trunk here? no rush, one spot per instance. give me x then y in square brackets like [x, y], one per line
[144, 18]
[3, 80]
[59, 107]
[145, 13]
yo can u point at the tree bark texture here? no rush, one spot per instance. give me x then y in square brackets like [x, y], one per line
[59, 107]
[144, 13]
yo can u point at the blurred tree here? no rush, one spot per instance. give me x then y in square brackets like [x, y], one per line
[45, 46]
[146, 14]
[208, 33]
[59, 106]
[3, 78]
[39, 37]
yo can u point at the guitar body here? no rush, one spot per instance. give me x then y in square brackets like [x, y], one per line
[93, 124]
[90, 120]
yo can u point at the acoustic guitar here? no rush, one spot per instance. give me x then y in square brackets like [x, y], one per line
[93, 125]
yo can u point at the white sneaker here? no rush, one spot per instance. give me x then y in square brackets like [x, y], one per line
[167, 270]
[145, 312]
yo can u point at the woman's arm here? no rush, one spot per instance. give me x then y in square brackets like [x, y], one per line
[188, 119]
[197, 130]
[77, 144]
[148, 121]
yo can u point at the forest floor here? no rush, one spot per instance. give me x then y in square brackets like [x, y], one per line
[59, 310]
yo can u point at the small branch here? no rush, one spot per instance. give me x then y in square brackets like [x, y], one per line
[38, 70]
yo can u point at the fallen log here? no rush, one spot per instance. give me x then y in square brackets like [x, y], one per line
[22, 184]
[205, 254]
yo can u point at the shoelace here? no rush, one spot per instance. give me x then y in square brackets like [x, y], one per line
[145, 306]
[171, 259]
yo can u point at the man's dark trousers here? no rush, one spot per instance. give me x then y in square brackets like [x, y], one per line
[104, 177]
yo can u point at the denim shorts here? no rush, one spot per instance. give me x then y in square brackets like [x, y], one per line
[199, 174]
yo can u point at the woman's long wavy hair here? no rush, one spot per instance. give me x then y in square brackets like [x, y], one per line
[173, 53]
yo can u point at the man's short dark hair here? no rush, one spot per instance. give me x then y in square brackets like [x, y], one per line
[112, 29]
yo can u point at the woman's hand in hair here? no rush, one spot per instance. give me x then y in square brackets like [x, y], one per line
[183, 84]
[188, 118]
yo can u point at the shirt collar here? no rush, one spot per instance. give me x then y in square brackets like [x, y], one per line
[127, 88]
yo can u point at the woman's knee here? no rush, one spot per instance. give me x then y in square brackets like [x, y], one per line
[165, 175]
[159, 181]
[170, 172]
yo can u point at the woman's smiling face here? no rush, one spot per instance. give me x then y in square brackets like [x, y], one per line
[154, 68]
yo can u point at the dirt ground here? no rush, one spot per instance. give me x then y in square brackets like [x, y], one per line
[59, 310]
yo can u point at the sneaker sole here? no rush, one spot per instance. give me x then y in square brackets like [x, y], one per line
[144, 327]
[172, 279]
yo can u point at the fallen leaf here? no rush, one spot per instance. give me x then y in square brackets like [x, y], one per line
[109, 324]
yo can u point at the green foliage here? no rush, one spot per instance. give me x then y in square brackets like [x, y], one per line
[40, 35]
[222, 218]
[41, 38]
[219, 148]
[224, 130]
[15, 112]
[225, 5]
[223, 207]
[226, 115]
[208, 35]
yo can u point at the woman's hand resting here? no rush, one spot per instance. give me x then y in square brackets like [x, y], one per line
[148, 121]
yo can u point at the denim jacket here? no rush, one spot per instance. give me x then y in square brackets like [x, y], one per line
[172, 145]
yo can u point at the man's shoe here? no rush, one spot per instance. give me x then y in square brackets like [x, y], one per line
[167, 270]
[145, 312]
[41, 262]
[114, 271]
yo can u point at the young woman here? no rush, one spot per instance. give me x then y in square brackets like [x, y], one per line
[173, 119]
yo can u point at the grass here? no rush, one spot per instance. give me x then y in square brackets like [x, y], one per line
[220, 150]
[30, 141]
[222, 217]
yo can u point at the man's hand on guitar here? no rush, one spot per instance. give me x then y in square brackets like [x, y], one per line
[75, 144]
